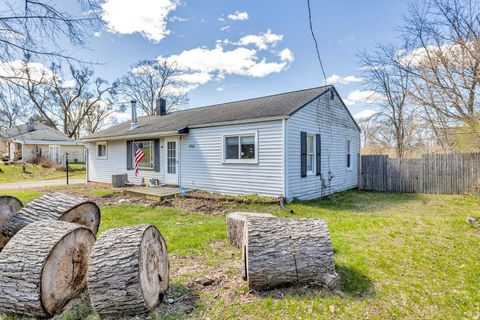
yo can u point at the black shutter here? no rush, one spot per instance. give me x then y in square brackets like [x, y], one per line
[156, 155]
[318, 156]
[129, 155]
[303, 154]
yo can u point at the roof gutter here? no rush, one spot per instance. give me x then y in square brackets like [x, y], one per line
[134, 136]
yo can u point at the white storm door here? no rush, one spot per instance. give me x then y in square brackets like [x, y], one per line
[171, 161]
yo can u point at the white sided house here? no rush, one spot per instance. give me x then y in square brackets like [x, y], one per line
[302, 144]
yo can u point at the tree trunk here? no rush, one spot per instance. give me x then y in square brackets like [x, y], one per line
[8, 207]
[43, 267]
[280, 252]
[236, 223]
[55, 206]
[128, 271]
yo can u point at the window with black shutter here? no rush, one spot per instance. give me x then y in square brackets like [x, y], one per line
[318, 154]
[303, 154]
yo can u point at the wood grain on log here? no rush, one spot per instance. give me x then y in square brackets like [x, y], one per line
[280, 252]
[8, 207]
[43, 267]
[55, 206]
[128, 271]
[236, 223]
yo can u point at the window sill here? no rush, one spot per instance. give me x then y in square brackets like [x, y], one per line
[350, 169]
[240, 161]
[101, 158]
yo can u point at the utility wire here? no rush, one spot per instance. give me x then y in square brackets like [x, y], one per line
[316, 42]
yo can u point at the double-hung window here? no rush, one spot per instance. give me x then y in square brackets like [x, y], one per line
[310, 153]
[240, 148]
[146, 147]
[349, 155]
[102, 150]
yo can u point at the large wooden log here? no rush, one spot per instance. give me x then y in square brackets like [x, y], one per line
[55, 206]
[43, 267]
[280, 252]
[128, 271]
[236, 223]
[8, 207]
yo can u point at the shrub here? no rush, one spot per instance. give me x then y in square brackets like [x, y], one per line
[42, 162]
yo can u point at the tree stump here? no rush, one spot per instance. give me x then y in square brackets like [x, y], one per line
[8, 207]
[55, 206]
[279, 252]
[128, 271]
[236, 223]
[43, 267]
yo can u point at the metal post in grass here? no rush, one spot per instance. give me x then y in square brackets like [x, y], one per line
[66, 165]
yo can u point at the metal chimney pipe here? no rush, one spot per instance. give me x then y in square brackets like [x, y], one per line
[134, 123]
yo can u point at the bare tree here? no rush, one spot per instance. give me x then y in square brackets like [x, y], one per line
[68, 101]
[36, 27]
[391, 82]
[149, 79]
[443, 37]
[13, 104]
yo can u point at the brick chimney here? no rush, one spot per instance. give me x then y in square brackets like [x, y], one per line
[161, 107]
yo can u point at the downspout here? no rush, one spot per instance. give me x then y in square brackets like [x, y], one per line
[283, 201]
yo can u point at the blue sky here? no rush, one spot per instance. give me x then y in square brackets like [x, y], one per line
[239, 49]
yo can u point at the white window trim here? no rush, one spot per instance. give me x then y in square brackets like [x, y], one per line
[347, 144]
[240, 134]
[152, 155]
[102, 143]
[314, 161]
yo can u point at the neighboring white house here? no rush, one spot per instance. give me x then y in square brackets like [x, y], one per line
[29, 141]
[302, 144]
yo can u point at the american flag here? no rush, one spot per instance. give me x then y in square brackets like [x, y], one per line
[139, 154]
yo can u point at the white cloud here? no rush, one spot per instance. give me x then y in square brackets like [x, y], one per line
[195, 78]
[220, 89]
[17, 70]
[147, 17]
[237, 15]
[364, 114]
[363, 97]
[201, 65]
[225, 28]
[286, 55]
[336, 79]
[261, 41]
[177, 18]
[239, 61]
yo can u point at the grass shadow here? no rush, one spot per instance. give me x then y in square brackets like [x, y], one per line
[179, 303]
[354, 283]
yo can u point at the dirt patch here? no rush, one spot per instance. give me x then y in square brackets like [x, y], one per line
[189, 205]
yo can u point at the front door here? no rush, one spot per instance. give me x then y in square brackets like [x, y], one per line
[171, 163]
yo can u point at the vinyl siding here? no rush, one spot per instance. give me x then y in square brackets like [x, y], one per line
[101, 170]
[330, 119]
[202, 167]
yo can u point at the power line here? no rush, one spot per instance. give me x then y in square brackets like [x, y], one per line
[316, 42]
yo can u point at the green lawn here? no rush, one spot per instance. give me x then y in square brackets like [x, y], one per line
[400, 256]
[14, 173]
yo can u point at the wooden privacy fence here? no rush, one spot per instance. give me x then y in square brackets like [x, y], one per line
[437, 173]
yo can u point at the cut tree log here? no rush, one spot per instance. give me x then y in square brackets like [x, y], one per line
[55, 206]
[128, 271]
[43, 267]
[279, 252]
[8, 207]
[236, 223]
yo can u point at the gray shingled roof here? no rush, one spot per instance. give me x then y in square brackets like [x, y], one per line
[42, 134]
[277, 105]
